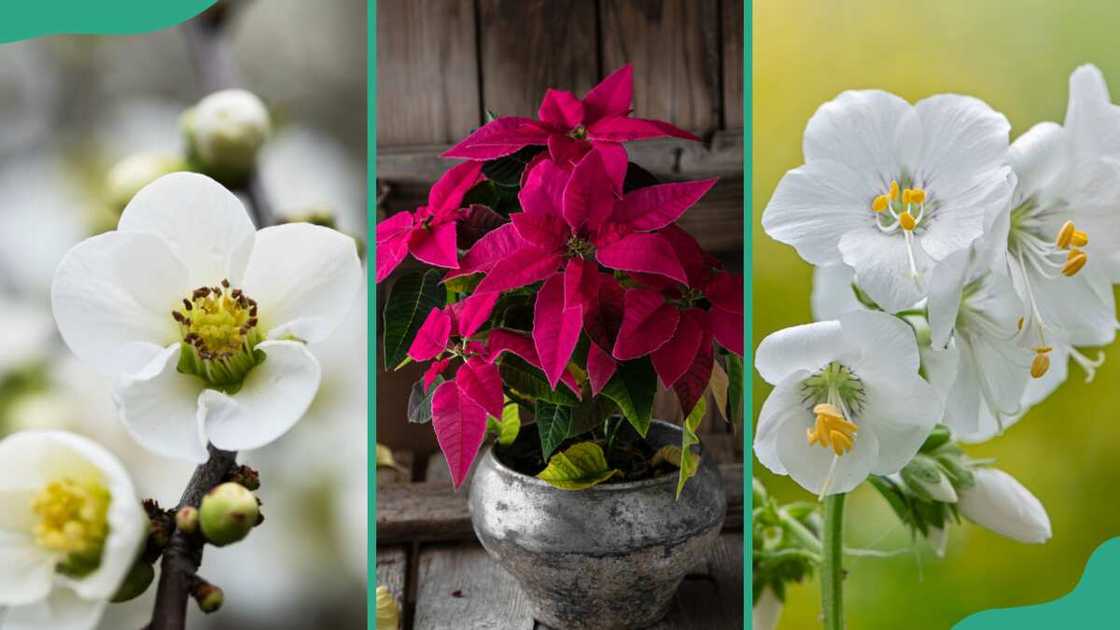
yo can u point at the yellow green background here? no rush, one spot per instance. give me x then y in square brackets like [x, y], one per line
[1016, 56]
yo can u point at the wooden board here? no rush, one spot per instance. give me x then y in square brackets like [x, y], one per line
[427, 71]
[528, 46]
[461, 587]
[392, 571]
[732, 57]
[674, 46]
[713, 598]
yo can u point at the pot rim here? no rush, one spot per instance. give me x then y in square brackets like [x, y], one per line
[667, 479]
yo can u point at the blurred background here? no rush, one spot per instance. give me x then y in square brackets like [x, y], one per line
[1017, 56]
[70, 109]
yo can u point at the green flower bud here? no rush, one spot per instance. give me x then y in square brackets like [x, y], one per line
[924, 478]
[186, 519]
[208, 597]
[134, 172]
[759, 492]
[225, 131]
[227, 514]
[139, 577]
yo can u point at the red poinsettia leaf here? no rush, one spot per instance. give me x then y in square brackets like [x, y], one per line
[555, 329]
[489, 249]
[615, 161]
[654, 207]
[504, 340]
[603, 320]
[589, 197]
[642, 252]
[648, 321]
[692, 384]
[447, 193]
[567, 151]
[725, 290]
[435, 245]
[460, 426]
[476, 221]
[611, 97]
[541, 230]
[697, 265]
[480, 381]
[581, 284]
[727, 328]
[600, 368]
[628, 129]
[543, 190]
[432, 337]
[472, 312]
[561, 109]
[674, 358]
[498, 138]
[524, 266]
[435, 369]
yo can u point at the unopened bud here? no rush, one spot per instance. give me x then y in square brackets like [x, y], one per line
[925, 479]
[225, 130]
[139, 577]
[228, 513]
[1000, 503]
[186, 519]
[208, 597]
[134, 172]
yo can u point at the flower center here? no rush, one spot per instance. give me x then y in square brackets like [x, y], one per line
[901, 208]
[832, 430]
[580, 247]
[220, 332]
[579, 133]
[73, 521]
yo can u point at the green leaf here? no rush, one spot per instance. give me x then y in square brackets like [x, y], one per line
[509, 426]
[554, 423]
[579, 467]
[632, 388]
[690, 461]
[420, 401]
[411, 299]
[506, 171]
[735, 389]
[530, 383]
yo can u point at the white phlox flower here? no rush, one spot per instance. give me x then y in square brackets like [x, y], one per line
[848, 401]
[891, 188]
[202, 321]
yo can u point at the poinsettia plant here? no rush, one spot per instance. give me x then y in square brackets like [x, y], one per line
[554, 279]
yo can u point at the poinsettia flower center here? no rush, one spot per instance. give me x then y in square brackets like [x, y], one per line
[901, 208]
[220, 331]
[579, 133]
[72, 521]
[1048, 256]
[581, 247]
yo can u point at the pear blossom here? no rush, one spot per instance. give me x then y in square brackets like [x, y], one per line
[202, 321]
[571, 127]
[978, 310]
[1000, 503]
[428, 233]
[848, 401]
[890, 189]
[226, 129]
[1063, 226]
[70, 529]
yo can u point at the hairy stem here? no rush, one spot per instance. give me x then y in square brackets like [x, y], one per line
[183, 554]
[832, 568]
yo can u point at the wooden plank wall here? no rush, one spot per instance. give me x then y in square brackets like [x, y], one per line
[442, 64]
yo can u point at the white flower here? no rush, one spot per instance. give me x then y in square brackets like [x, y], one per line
[767, 611]
[1000, 503]
[70, 528]
[858, 376]
[976, 311]
[890, 188]
[1063, 226]
[308, 173]
[833, 292]
[202, 321]
[227, 128]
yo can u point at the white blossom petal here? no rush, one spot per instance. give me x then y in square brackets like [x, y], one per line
[807, 347]
[205, 225]
[305, 278]
[882, 267]
[833, 294]
[898, 444]
[810, 465]
[160, 408]
[962, 138]
[62, 610]
[26, 570]
[1092, 121]
[113, 313]
[887, 344]
[1038, 157]
[784, 404]
[274, 396]
[958, 216]
[870, 130]
[767, 611]
[945, 288]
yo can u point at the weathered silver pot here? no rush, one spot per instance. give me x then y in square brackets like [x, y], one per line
[607, 558]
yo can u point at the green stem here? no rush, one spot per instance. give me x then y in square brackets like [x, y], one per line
[832, 569]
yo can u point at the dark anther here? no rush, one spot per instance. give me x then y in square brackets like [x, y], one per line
[187, 304]
[225, 283]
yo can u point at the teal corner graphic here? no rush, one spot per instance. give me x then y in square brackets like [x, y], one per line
[1088, 605]
[115, 17]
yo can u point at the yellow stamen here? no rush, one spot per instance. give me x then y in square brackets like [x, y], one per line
[1020, 325]
[73, 517]
[880, 203]
[914, 195]
[1075, 260]
[906, 220]
[893, 191]
[1070, 236]
[832, 430]
[1041, 362]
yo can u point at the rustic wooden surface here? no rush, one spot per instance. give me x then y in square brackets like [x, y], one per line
[445, 581]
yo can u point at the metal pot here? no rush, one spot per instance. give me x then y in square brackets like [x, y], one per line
[607, 558]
